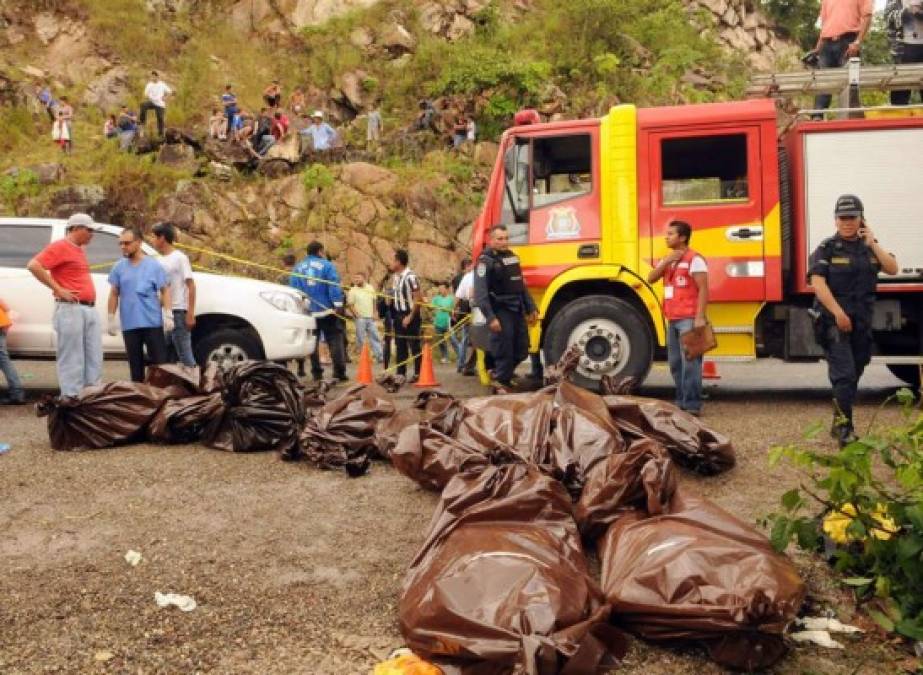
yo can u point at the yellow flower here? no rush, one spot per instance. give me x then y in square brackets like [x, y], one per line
[836, 522]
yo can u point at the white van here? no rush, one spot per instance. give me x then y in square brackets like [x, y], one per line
[236, 319]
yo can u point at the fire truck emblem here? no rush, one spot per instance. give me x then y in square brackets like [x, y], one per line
[562, 223]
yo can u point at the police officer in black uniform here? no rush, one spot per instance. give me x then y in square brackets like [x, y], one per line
[500, 294]
[844, 272]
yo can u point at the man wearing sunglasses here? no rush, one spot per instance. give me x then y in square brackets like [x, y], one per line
[139, 290]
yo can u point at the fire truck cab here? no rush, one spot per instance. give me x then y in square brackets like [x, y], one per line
[587, 203]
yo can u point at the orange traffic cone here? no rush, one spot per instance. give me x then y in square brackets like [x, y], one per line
[427, 376]
[364, 372]
[710, 371]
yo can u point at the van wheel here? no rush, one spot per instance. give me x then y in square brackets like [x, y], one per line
[614, 337]
[908, 373]
[228, 346]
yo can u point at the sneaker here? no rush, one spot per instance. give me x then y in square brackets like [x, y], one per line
[443, 361]
[13, 400]
[413, 379]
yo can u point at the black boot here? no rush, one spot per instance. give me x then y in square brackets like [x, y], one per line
[842, 430]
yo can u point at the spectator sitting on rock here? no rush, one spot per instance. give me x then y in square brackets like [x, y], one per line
[426, 119]
[280, 125]
[459, 131]
[229, 102]
[109, 127]
[262, 138]
[47, 100]
[217, 125]
[127, 124]
[323, 136]
[296, 102]
[244, 126]
[273, 94]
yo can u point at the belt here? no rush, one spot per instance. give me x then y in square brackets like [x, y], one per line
[85, 303]
[852, 35]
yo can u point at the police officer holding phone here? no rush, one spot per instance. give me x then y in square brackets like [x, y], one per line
[500, 294]
[844, 272]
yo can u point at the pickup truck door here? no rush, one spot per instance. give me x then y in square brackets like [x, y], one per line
[32, 304]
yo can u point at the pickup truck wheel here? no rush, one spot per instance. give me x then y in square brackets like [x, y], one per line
[614, 337]
[227, 347]
[908, 373]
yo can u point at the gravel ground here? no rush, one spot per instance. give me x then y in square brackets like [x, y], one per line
[298, 570]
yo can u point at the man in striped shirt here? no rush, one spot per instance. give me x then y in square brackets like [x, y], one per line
[408, 298]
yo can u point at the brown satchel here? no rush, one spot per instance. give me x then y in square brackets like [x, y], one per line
[698, 341]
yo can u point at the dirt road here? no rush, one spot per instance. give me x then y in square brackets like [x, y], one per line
[298, 570]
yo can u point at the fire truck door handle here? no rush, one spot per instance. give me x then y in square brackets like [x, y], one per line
[588, 251]
[744, 232]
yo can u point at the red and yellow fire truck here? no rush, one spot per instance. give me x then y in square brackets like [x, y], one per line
[587, 202]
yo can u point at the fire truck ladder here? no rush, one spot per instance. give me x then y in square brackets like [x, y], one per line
[846, 81]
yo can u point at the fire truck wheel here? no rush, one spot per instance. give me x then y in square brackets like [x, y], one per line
[908, 373]
[615, 338]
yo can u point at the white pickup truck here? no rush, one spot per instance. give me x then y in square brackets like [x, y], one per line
[236, 319]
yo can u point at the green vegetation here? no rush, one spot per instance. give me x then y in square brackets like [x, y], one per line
[14, 188]
[871, 524]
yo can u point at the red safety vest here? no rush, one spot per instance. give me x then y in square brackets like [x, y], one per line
[680, 292]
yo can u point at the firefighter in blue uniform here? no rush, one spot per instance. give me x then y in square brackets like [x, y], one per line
[317, 278]
[500, 294]
[844, 272]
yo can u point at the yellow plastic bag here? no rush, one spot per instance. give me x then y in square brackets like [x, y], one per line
[406, 664]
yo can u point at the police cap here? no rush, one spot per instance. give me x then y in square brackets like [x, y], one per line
[849, 206]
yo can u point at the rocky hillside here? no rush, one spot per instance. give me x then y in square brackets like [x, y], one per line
[481, 57]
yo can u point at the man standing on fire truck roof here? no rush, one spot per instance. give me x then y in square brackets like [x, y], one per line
[500, 294]
[685, 298]
[844, 271]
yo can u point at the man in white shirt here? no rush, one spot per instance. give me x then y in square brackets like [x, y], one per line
[464, 292]
[323, 136]
[155, 94]
[182, 291]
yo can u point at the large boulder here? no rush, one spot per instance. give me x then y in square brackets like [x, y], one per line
[79, 198]
[369, 179]
[179, 156]
[108, 90]
[397, 39]
[288, 149]
[227, 152]
[352, 85]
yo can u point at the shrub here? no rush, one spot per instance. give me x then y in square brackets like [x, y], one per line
[317, 177]
[873, 487]
[16, 187]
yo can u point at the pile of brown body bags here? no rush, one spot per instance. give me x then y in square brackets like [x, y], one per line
[502, 583]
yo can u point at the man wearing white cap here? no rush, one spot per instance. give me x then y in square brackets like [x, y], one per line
[62, 266]
[323, 136]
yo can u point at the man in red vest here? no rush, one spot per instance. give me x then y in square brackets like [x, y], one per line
[685, 297]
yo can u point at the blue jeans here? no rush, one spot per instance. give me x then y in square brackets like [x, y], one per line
[686, 374]
[9, 371]
[443, 338]
[181, 338]
[80, 347]
[460, 344]
[365, 326]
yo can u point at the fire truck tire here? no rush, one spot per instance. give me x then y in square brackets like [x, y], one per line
[615, 337]
[908, 373]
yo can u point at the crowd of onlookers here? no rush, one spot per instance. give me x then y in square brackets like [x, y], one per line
[257, 132]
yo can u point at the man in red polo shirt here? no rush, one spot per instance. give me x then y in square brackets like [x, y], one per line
[685, 298]
[62, 266]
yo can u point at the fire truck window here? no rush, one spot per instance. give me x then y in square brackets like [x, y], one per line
[515, 211]
[561, 168]
[705, 169]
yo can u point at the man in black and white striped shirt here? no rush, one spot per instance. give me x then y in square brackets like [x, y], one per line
[408, 299]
